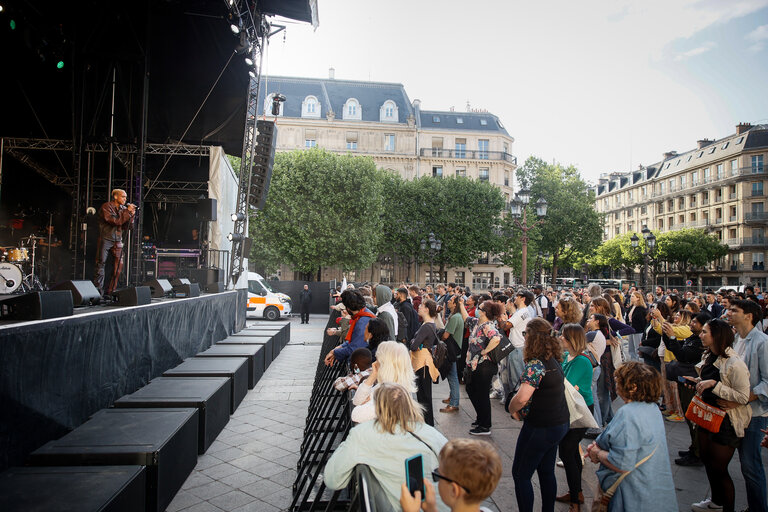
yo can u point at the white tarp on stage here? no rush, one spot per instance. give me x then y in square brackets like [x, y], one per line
[222, 186]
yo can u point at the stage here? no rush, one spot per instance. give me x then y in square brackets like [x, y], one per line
[55, 373]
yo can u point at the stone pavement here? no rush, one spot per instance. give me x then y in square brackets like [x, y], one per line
[252, 464]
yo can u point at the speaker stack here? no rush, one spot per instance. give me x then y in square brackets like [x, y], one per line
[159, 288]
[84, 293]
[135, 296]
[37, 305]
[183, 288]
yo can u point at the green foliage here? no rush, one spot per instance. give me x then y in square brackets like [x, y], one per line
[688, 248]
[618, 253]
[323, 209]
[572, 226]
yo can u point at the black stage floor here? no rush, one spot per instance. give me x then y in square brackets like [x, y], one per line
[55, 373]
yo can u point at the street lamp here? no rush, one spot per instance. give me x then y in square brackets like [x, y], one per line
[650, 245]
[517, 207]
[433, 245]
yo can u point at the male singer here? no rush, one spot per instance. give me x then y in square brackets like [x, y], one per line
[113, 216]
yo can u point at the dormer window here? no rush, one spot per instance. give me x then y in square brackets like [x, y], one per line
[483, 122]
[388, 112]
[353, 110]
[310, 107]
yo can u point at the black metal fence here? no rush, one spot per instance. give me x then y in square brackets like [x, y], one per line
[327, 425]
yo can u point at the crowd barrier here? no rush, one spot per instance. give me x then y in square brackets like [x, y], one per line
[328, 422]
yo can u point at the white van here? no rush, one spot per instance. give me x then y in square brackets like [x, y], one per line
[265, 302]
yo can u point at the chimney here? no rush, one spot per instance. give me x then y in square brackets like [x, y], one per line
[331, 73]
[701, 144]
[416, 105]
[742, 127]
[669, 154]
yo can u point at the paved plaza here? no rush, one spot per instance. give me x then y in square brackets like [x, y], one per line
[252, 464]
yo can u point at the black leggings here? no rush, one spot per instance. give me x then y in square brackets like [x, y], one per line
[569, 454]
[479, 388]
[716, 457]
[424, 394]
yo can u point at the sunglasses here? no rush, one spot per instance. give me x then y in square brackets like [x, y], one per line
[437, 476]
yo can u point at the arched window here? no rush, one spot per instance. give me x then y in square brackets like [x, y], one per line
[388, 112]
[353, 109]
[310, 107]
[268, 105]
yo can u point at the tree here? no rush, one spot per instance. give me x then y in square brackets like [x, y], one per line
[572, 226]
[618, 253]
[323, 209]
[688, 248]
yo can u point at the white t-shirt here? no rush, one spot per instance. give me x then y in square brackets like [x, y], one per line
[541, 304]
[519, 320]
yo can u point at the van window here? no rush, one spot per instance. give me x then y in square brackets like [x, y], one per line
[255, 288]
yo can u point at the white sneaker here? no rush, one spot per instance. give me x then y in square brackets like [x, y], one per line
[705, 505]
[560, 463]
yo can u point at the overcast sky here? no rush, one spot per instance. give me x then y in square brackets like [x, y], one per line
[605, 85]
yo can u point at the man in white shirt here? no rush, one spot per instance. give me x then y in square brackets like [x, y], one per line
[541, 302]
[520, 316]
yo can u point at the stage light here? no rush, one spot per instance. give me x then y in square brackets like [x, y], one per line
[13, 24]
[235, 237]
[252, 74]
[238, 217]
[2, 8]
[249, 61]
[234, 28]
[60, 64]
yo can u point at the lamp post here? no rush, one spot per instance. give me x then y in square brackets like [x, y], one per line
[433, 245]
[517, 207]
[650, 244]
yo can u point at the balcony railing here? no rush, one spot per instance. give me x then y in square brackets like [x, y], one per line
[755, 241]
[704, 181]
[755, 216]
[732, 218]
[468, 154]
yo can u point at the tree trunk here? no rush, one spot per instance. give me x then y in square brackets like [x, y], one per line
[555, 257]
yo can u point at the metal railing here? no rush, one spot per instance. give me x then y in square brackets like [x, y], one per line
[755, 216]
[327, 424]
[468, 154]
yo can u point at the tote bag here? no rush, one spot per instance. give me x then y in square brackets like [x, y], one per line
[580, 415]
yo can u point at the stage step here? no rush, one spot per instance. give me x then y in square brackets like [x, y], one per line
[255, 354]
[270, 350]
[74, 489]
[164, 440]
[210, 395]
[236, 368]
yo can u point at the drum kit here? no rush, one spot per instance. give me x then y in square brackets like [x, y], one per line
[17, 267]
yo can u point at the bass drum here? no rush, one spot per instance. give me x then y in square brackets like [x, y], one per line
[10, 277]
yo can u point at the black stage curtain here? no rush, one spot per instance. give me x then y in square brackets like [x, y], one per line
[55, 374]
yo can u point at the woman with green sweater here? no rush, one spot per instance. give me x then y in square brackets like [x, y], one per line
[577, 368]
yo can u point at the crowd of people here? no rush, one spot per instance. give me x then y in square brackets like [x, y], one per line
[699, 358]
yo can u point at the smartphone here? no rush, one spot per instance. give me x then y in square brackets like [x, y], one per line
[414, 475]
[684, 380]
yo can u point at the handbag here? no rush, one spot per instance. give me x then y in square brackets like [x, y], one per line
[502, 350]
[602, 499]
[705, 415]
[618, 354]
[580, 415]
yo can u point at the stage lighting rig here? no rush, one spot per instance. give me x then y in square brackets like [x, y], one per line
[238, 217]
[235, 237]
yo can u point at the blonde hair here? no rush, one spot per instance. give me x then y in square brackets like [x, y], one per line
[640, 299]
[396, 409]
[571, 311]
[395, 365]
[472, 464]
[117, 191]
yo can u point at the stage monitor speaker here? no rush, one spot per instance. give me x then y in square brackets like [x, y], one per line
[206, 210]
[84, 293]
[136, 296]
[264, 159]
[186, 290]
[178, 281]
[159, 287]
[37, 305]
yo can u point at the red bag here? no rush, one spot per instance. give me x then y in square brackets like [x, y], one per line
[704, 415]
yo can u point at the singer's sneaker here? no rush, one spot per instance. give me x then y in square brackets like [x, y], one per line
[705, 506]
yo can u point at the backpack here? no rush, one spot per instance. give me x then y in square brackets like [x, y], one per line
[439, 351]
[539, 310]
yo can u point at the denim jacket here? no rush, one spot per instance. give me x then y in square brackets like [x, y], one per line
[753, 349]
